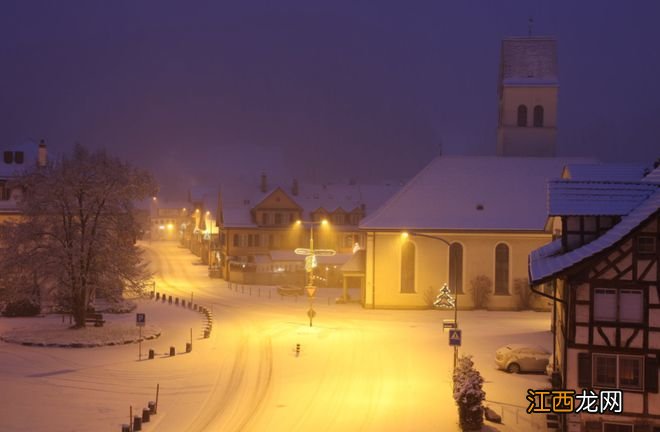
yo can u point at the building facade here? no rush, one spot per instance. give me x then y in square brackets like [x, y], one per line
[605, 270]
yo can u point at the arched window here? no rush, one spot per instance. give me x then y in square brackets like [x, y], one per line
[522, 115]
[408, 267]
[456, 268]
[502, 269]
[538, 116]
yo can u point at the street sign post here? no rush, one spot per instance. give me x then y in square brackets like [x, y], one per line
[140, 321]
[455, 337]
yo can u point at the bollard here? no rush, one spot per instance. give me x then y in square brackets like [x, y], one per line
[137, 423]
[170, 300]
[125, 428]
[157, 296]
[164, 298]
[195, 307]
[146, 415]
[190, 305]
[183, 303]
[172, 352]
[176, 301]
[297, 350]
[152, 407]
[207, 333]
[188, 347]
[151, 354]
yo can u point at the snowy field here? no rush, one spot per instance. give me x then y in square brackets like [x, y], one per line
[357, 370]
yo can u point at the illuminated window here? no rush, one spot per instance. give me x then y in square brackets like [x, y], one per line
[407, 267]
[456, 268]
[502, 269]
[538, 116]
[618, 371]
[522, 115]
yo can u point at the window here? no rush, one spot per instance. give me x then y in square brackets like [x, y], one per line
[5, 192]
[278, 218]
[249, 240]
[646, 245]
[408, 267]
[235, 240]
[257, 240]
[618, 371]
[19, 156]
[456, 268]
[265, 219]
[291, 218]
[9, 157]
[538, 116]
[502, 269]
[625, 305]
[522, 115]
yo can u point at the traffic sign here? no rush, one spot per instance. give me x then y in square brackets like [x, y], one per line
[140, 319]
[310, 290]
[454, 337]
[311, 313]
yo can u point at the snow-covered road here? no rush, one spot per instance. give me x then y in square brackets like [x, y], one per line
[358, 370]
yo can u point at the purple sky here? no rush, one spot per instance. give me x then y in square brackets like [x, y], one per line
[317, 90]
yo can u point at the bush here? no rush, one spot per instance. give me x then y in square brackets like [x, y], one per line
[469, 394]
[21, 308]
[525, 295]
[480, 288]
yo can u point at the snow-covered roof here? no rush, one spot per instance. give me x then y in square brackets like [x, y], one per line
[584, 198]
[604, 172]
[472, 193]
[653, 177]
[357, 262]
[30, 154]
[547, 261]
[287, 255]
[529, 61]
[239, 199]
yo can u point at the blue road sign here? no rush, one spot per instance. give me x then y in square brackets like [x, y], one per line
[454, 337]
[140, 319]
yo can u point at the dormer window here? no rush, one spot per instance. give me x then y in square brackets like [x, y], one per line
[9, 157]
[19, 157]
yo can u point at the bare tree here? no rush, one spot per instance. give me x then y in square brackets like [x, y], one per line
[78, 229]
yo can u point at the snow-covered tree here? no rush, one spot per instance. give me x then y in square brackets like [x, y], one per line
[77, 230]
[469, 394]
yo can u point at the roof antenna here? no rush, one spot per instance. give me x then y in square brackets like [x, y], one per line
[530, 23]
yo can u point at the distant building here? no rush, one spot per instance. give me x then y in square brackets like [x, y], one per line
[604, 270]
[16, 159]
[165, 219]
[258, 231]
[528, 89]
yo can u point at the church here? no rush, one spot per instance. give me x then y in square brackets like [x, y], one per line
[471, 222]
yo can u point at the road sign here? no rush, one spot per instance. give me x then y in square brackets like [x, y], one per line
[303, 251]
[310, 262]
[454, 337]
[140, 319]
[311, 313]
[310, 290]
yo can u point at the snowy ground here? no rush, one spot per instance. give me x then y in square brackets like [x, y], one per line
[358, 370]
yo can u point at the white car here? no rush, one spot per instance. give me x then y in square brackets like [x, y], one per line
[515, 358]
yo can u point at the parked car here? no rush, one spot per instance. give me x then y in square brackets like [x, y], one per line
[515, 358]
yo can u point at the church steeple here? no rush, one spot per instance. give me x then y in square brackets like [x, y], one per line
[528, 89]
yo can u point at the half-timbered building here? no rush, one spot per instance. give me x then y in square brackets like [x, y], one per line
[606, 320]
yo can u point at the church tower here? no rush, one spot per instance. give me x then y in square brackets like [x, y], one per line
[528, 88]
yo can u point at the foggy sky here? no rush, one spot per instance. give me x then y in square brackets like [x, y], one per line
[204, 91]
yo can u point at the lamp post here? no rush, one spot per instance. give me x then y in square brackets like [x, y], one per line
[405, 236]
[310, 262]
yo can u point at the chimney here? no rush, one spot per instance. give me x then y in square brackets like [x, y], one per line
[264, 183]
[294, 187]
[42, 156]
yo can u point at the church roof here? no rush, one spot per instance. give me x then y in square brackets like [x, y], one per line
[529, 61]
[472, 193]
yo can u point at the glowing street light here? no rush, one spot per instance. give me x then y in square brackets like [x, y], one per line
[449, 301]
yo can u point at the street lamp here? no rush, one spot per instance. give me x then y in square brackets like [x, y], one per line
[404, 236]
[310, 262]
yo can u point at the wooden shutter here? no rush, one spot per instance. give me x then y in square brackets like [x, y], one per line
[651, 374]
[584, 370]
